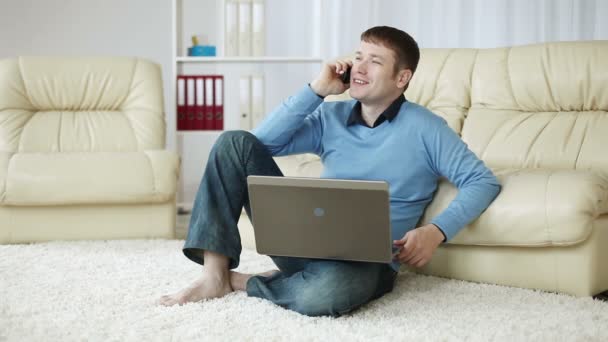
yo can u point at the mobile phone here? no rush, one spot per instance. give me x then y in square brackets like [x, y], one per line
[345, 77]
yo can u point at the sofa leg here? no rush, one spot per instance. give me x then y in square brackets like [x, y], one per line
[603, 296]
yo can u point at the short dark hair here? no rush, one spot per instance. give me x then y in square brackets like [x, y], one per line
[407, 53]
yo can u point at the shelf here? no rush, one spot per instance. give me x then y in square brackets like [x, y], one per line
[208, 17]
[249, 60]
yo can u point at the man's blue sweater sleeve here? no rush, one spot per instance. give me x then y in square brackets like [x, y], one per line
[295, 126]
[477, 185]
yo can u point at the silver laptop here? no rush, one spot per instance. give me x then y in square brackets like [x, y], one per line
[321, 218]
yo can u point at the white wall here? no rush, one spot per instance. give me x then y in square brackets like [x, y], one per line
[466, 23]
[139, 28]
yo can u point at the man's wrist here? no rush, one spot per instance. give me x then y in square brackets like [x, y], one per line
[317, 88]
[442, 237]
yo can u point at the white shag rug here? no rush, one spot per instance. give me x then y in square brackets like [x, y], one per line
[105, 291]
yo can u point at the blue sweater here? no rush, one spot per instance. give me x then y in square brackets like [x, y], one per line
[411, 152]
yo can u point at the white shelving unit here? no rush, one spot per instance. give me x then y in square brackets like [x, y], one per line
[211, 18]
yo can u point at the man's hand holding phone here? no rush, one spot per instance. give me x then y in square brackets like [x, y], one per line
[329, 81]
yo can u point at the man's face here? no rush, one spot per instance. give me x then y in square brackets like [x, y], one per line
[373, 78]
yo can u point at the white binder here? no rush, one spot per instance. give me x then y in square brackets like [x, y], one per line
[218, 103]
[181, 103]
[199, 117]
[199, 92]
[181, 92]
[245, 103]
[231, 30]
[244, 27]
[209, 119]
[190, 98]
[258, 28]
[258, 111]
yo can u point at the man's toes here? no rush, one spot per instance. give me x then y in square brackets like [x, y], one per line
[167, 300]
[171, 302]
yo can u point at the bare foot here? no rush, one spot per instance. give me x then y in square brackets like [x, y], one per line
[206, 287]
[238, 280]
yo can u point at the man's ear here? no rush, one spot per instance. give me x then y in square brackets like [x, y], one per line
[404, 78]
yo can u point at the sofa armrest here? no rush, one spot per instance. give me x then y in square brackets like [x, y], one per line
[536, 207]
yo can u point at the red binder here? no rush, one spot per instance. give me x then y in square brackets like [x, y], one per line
[199, 101]
[209, 102]
[190, 102]
[181, 103]
[218, 102]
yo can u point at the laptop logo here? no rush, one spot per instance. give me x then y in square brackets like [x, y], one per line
[319, 212]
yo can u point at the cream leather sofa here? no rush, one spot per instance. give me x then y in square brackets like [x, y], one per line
[537, 115]
[82, 150]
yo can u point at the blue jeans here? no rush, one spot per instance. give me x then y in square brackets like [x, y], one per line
[313, 287]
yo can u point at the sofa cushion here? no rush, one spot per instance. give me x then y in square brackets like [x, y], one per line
[73, 178]
[300, 165]
[536, 207]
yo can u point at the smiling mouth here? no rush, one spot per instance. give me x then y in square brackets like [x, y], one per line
[358, 81]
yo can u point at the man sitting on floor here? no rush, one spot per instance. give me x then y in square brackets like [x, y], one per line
[379, 135]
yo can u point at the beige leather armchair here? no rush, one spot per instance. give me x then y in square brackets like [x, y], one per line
[537, 115]
[82, 150]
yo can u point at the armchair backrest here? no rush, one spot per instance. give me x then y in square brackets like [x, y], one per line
[80, 104]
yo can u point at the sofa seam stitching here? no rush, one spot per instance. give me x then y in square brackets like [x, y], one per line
[471, 84]
[29, 98]
[4, 189]
[27, 93]
[152, 171]
[547, 83]
[125, 113]
[481, 155]
[547, 228]
[567, 140]
[509, 77]
[441, 70]
[580, 149]
[536, 138]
